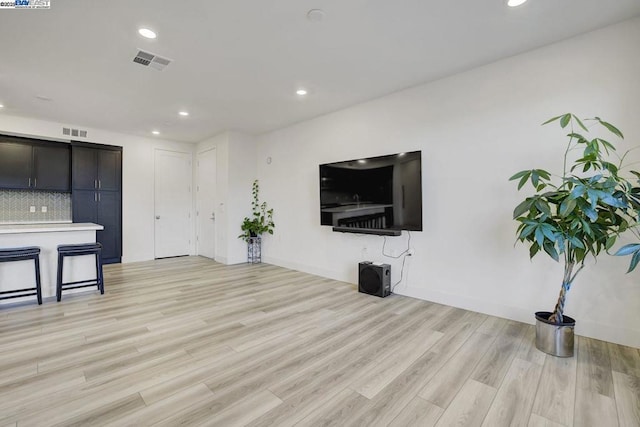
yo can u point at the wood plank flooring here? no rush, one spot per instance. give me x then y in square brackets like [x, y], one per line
[188, 341]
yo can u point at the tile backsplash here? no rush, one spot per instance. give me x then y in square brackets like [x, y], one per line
[15, 206]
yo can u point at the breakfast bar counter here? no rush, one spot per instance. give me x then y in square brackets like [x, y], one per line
[47, 237]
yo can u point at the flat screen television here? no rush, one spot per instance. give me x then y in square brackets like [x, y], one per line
[373, 194]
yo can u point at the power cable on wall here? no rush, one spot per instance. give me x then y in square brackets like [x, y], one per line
[404, 255]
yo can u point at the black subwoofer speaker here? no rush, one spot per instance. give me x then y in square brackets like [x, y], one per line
[374, 279]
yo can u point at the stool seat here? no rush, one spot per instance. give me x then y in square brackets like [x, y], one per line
[89, 248]
[23, 254]
[79, 250]
[9, 253]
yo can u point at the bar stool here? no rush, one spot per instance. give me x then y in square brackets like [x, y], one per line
[22, 254]
[79, 250]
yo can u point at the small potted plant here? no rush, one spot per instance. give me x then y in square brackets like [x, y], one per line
[579, 213]
[260, 221]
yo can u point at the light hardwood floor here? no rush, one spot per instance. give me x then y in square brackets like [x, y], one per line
[187, 341]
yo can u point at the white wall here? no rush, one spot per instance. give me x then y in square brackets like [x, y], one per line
[475, 130]
[235, 172]
[137, 177]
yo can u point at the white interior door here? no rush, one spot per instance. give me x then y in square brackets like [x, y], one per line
[206, 203]
[172, 203]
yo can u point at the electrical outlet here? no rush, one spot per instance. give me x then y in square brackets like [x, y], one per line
[43, 209]
[32, 209]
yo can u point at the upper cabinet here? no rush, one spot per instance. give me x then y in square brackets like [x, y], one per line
[97, 169]
[15, 165]
[34, 165]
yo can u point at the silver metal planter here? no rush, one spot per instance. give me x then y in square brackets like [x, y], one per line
[254, 250]
[554, 339]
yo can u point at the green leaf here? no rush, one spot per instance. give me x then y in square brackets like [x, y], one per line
[614, 130]
[628, 249]
[553, 119]
[533, 250]
[543, 174]
[610, 167]
[579, 122]
[539, 236]
[593, 197]
[581, 139]
[520, 175]
[523, 181]
[535, 177]
[551, 250]
[543, 207]
[607, 145]
[611, 240]
[612, 201]
[578, 191]
[522, 207]
[567, 206]
[591, 213]
[548, 231]
[575, 242]
[526, 231]
[634, 262]
[564, 121]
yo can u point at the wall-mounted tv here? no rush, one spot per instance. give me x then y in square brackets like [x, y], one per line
[378, 195]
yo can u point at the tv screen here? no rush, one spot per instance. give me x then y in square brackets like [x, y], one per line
[375, 193]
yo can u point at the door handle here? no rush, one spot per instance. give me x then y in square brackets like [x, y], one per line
[213, 216]
[157, 216]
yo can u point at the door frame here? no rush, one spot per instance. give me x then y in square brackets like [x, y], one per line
[198, 199]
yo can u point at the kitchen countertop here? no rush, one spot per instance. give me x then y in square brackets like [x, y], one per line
[355, 208]
[48, 228]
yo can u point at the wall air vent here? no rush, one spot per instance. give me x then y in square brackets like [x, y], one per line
[151, 59]
[74, 132]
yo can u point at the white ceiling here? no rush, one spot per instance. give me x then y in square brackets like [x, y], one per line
[237, 63]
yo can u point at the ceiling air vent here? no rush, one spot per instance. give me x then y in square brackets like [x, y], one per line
[151, 59]
[74, 132]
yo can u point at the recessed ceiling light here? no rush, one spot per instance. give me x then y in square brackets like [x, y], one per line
[362, 161]
[183, 113]
[301, 92]
[514, 3]
[155, 132]
[147, 33]
[1, 106]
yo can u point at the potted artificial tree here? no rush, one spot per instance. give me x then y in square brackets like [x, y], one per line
[579, 213]
[261, 221]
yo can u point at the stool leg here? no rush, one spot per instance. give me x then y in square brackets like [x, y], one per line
[59, 281]
[38, 287]
[99, 272]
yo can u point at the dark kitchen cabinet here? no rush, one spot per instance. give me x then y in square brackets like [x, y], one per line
[101, 207]
[97, 194]
[27, 164]
[15, 165]
[97, 169]
[51, 168]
